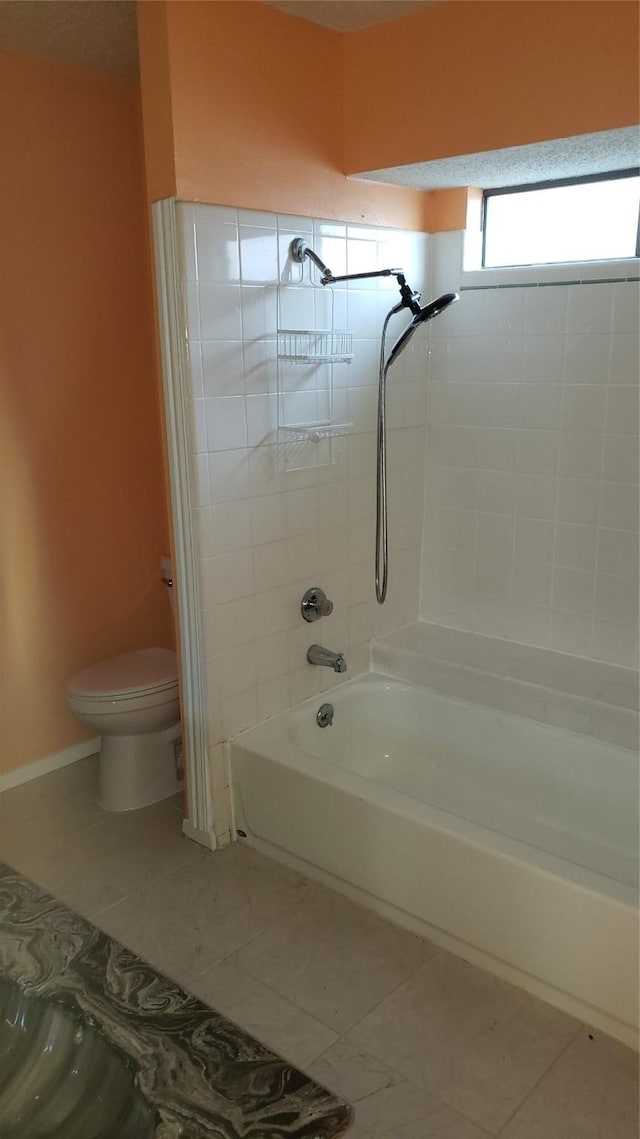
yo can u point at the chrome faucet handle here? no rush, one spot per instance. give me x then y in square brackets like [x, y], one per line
[315, 604]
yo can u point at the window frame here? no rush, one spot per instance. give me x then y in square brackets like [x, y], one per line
[552, 184]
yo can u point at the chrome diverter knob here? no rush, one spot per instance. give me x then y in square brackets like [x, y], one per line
[315, 604]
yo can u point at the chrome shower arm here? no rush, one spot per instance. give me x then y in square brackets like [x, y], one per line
[329, 279]
[299, 249]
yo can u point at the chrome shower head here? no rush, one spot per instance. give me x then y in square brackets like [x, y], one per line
[434, 308]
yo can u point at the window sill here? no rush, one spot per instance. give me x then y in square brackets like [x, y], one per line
[576, 272]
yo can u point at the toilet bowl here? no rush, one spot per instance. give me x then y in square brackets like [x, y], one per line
[132, 701]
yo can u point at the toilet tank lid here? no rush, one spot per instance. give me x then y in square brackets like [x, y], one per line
[128, 673]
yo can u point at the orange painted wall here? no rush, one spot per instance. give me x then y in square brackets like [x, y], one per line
[256, 114]
[83, 514]
[462, 77]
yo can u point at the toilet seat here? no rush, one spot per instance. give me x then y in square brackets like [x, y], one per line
[128, 677]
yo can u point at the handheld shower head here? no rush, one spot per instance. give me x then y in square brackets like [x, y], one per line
[434, 308]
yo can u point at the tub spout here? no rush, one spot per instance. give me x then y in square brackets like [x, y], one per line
[319, 655]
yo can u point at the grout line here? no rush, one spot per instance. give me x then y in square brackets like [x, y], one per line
[544, 1075]
[275, 992]
[439, 952]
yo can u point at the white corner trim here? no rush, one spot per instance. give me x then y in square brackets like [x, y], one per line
[199, 824]
[49, 763]
[205, 838]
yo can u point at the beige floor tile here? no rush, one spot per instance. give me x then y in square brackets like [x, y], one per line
[278, 1023]
[479, 1044]
[387, 1105]
[334, 959]
[192, 919]
[591, 1092]
[99, 865]
[36, 815]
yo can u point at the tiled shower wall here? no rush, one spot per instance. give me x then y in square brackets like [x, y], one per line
[264, 535]
[531, 509]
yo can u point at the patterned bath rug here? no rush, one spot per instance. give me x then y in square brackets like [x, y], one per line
[129, 1054]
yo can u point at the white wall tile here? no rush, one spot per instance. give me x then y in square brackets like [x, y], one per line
[186, 224]
[538, 452]
[573, 589]
[626, 303]
[540, 405]
[618, 552]
[268, 519]
[260, 367]
[228, 476]
[258, 218]
[545, 310]
[534, 540]
[198, 426]
[564, 482]
[624, 365]
[587, 359]
[239, 712]
[220, 314]
[616, 642]
[227, 625]
[571, 632]
[580, 455]
[536, 496]
[622, 408]
[222, 367]
[532, 583]
[226, 423]
[621, 458]
[616, 598]
[576, 546]
[216, 247]
[229, 527]
[228, 577]
[491, 491]
[258, 255]
[543, 358]
[590, 308]
[619, 510]
[200, 469]
[262, 419]
[270, 566]
[578, 501]
[583, 407]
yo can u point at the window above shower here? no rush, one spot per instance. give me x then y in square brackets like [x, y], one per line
[592, 218]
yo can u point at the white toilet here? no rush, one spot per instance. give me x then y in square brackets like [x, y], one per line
[132, 701]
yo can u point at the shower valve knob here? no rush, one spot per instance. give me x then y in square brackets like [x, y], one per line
[315, 604]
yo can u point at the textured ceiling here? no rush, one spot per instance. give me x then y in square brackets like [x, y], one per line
[347, 15]
[100, 35]
[518, 165]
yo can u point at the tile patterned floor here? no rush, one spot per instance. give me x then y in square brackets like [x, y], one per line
[425, 1045]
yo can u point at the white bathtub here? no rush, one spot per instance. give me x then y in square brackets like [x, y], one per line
[506, 840]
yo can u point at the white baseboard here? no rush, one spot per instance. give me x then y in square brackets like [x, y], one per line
[49, 763]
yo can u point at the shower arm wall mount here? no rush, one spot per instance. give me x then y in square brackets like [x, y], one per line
[299, 249]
